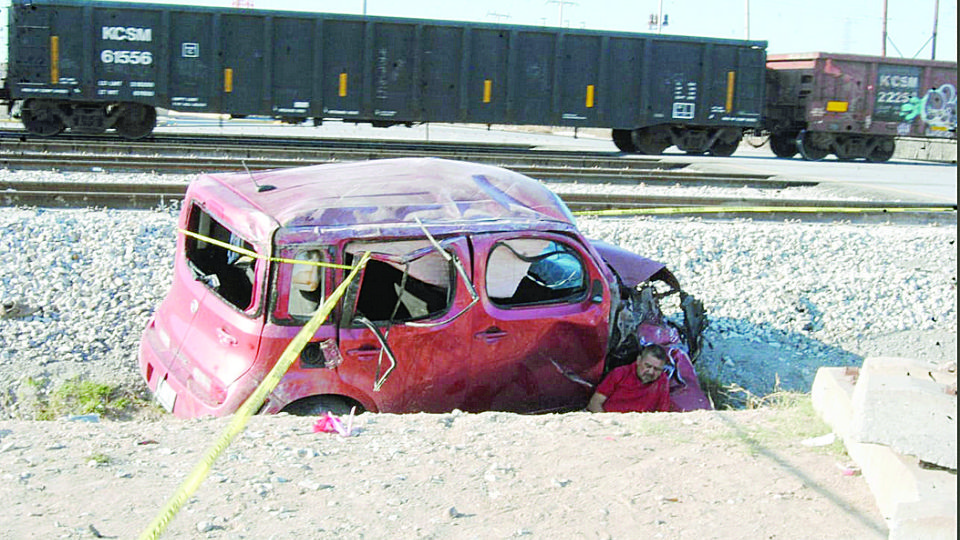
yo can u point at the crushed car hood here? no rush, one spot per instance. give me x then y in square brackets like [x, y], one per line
[633, 269]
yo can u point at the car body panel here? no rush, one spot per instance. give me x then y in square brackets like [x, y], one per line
[434, 365]
[632, 269]
[527, 349]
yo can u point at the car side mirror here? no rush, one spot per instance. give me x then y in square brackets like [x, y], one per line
[596, 292]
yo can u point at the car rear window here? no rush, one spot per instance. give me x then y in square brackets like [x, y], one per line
[230, 274]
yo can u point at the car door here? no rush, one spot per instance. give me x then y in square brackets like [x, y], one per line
[415, 306]
[223, 297]
[540, 335]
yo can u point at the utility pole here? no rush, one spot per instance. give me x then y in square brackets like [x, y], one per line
[884, 49]
[364, 8]
[660, 19]
[561, 3]
[936, 16]
[746, 17]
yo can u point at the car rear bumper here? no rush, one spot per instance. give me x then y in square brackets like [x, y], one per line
[183, 391]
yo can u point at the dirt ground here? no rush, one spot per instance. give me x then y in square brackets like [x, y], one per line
[744, 474]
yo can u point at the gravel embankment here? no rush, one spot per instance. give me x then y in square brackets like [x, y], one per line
[731, 474]
[783, 298]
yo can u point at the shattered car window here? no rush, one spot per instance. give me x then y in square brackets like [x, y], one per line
[306, 285]
[404, 281]
[229, 273]
[526, 271]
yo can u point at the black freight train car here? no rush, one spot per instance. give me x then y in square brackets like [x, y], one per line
[855, 106]
[93, 66]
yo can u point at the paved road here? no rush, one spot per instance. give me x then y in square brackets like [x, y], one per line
[936, 182]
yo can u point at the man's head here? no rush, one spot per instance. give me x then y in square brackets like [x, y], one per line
[650, 363]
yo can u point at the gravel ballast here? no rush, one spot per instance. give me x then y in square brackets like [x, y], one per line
[783, 298]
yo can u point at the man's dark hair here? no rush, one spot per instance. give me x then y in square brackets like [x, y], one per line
[654, 350]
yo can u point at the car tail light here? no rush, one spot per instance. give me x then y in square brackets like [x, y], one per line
[202, 386]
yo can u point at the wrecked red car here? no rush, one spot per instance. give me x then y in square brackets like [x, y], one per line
[480, 294]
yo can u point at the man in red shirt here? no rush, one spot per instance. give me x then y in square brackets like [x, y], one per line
[638, 387]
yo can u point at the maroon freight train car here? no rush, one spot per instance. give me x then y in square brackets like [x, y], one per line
[855, 106]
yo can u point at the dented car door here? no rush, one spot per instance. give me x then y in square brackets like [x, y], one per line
[540, 336]
[415, 307]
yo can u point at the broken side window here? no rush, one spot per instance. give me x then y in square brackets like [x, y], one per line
[404, 281]
[525, 271]
[228, 273]
[307, 285]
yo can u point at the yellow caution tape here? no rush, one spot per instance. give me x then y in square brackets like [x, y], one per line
[249, 407]
[255, 255]
[748, 209]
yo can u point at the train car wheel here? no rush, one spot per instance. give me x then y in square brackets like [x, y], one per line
[722, 148]
[783, 146]
[41, 118]
[623, 139]
[808, 150]
[883, 151]
[846, 149]
[650, 141]
[135, 121]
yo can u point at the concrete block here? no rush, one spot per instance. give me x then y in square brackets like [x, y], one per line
[896, 403]
[917, 503]
[942, 150]
[910, 367]
[832, 395]
[925, 520]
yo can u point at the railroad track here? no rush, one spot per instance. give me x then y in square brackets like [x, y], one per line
[201, 153]
[194, 154]
[148, 196]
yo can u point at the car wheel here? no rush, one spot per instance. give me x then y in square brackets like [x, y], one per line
[317, 405]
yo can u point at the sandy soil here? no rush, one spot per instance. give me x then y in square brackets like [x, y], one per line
[743, 474]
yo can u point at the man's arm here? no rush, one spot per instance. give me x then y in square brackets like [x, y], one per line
[596, 402]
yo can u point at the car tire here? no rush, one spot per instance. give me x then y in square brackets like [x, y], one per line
[317, 405]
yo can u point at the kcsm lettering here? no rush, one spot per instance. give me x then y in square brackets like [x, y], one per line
[126, 33]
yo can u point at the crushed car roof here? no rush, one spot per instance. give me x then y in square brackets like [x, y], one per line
[386, 191]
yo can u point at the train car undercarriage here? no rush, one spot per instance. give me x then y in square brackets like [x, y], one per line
[48, 117]
[816, 145]
[697, 140]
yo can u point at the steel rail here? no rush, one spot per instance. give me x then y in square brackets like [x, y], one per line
[148, 196]
[208, 153]
[316, 150]
[590, 175]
